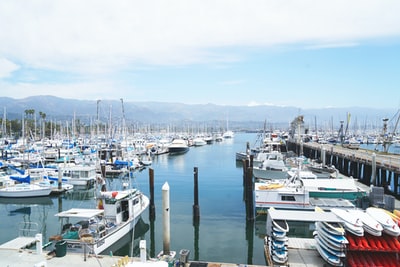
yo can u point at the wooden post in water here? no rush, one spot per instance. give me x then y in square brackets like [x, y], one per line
[196, 208]
[152, 208]
[249, 194]
[245, 164]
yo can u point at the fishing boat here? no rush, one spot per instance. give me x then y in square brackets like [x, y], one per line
[389, 226]
[281, 194]
[272, 167]
[99, 228]
[295, 195]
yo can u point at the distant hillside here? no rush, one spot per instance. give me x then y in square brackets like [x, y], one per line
[208, 115]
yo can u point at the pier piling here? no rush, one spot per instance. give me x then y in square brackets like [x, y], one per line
[249, 194]
[196, 208]
[152, 209]
[373, 171]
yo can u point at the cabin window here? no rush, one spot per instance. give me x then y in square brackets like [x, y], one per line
[288, 198]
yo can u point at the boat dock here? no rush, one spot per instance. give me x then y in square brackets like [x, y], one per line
[24, 257]
[301, 215]
[301, 254]
[20, 242]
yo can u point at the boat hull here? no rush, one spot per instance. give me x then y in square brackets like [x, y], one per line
[22, 191]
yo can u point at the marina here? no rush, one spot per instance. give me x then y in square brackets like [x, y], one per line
[222, 211]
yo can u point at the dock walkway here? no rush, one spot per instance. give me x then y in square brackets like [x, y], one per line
[19, 243]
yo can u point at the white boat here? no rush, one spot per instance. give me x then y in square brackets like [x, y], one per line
[281, 194]
[228, 134]
[322, 171]
[80, 176]
[339, 188]
[98, 229]
[199, 141]
[55, 186]
[178, 146]
[389, 226]
[370, 225]
[273, 167]
[25, 190]
[351, 221]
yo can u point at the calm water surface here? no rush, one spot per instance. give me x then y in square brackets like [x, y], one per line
[223, 233]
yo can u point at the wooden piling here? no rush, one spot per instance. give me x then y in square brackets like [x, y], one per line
[196, 208]
[249, 194]
[245, 164]
[373, 171]
[152, 208]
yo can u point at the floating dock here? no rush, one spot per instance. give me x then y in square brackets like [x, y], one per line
[19, 243]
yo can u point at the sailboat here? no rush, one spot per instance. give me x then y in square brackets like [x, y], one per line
[228, 134]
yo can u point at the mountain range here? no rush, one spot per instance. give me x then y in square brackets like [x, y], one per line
[60, 109]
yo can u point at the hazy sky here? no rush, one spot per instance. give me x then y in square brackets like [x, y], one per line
[309, 54]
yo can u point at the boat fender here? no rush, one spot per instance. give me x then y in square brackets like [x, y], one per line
[100, 205]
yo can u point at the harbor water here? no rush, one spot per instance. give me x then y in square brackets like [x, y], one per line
[223, 233]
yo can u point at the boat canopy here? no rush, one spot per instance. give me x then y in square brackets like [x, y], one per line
[80, 213]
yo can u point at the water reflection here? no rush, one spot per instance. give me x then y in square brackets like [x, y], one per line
[27, 201]
[127, 245]
[81, 194]
[196, 227]
[27, 216]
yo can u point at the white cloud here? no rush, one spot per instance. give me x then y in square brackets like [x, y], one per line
[101, 36]
[255, 103]
[80, 90]
[7, 67]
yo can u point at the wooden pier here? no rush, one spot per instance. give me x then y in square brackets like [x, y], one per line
[370, 167]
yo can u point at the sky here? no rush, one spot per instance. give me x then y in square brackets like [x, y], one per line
[302, 53]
